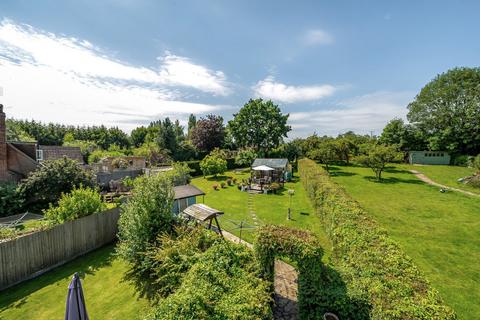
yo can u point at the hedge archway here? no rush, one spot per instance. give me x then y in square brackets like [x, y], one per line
[304, 249]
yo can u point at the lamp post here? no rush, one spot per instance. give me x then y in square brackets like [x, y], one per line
[291, 192]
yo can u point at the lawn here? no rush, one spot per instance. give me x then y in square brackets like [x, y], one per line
[447, 175]
[269, 208]
[440, 231]
[106, 296]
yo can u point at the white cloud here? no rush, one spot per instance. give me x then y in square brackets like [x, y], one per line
[270, 89]
[181, 71]
[55, 78]
[361, 114]
[316, 37]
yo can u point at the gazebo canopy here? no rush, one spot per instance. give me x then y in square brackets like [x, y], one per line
[262, 168]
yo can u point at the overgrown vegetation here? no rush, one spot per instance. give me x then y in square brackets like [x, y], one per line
[11, 201]
[204, 277]
[46, 184]
[80, 202]
[372, 266]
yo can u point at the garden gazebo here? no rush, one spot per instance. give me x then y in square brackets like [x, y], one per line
[266, 171]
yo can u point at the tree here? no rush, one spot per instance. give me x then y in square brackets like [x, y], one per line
[47, 183]
[406, 136]
[208, 133]
[259, 125]
[213, 164]
[179, 134]
[377, 157]
[447, 111]
[152, 153]
[344, 147]
[16, 133]
[245, 157]
[138, 136]
[325, 154]
[192, 123]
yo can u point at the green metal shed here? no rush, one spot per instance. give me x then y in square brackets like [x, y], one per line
[428, 157]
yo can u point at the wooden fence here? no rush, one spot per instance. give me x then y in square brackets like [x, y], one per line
[31, 255]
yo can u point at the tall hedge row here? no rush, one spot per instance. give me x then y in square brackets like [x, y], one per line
[372, 266]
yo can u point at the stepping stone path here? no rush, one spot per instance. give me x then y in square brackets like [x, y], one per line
[251, 208]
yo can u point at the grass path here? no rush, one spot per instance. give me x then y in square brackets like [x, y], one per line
[106, 296]
[440, 231]
[427, 180]
[445, 175]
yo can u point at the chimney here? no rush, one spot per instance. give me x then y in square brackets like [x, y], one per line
[3, 147]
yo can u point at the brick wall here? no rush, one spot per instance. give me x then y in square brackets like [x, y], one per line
[3, 147]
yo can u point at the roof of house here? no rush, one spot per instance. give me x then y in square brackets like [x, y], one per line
[272, 163]
[201, 212]
[58, 152]
[187, 191]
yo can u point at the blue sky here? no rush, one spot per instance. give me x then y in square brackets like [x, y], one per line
[333, 65]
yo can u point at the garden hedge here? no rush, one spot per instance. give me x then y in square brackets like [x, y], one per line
[372, 266]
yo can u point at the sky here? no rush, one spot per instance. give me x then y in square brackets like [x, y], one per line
[334, 66]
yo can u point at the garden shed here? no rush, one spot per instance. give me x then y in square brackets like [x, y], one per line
[185, 196]
[428, 157]
[267, 170]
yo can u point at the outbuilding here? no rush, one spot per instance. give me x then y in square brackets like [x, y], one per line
[185, 196]
[429, 157]
[268, 170]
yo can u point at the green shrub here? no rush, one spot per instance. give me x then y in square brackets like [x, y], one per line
[462, 160]
[76, 204]
[174, 254]
[194, 165]
[49, 181]
[476, 163]
[213, 165]
[222, 284]
[11, 201]
[147, 214]
[371, 265]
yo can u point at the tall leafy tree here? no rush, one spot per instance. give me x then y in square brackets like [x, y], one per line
[259, 125]
[138, 135]
[447, 111]
[406, 136]
[192, 123]
[209, 133]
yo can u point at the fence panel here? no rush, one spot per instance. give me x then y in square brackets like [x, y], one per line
[31, 255]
